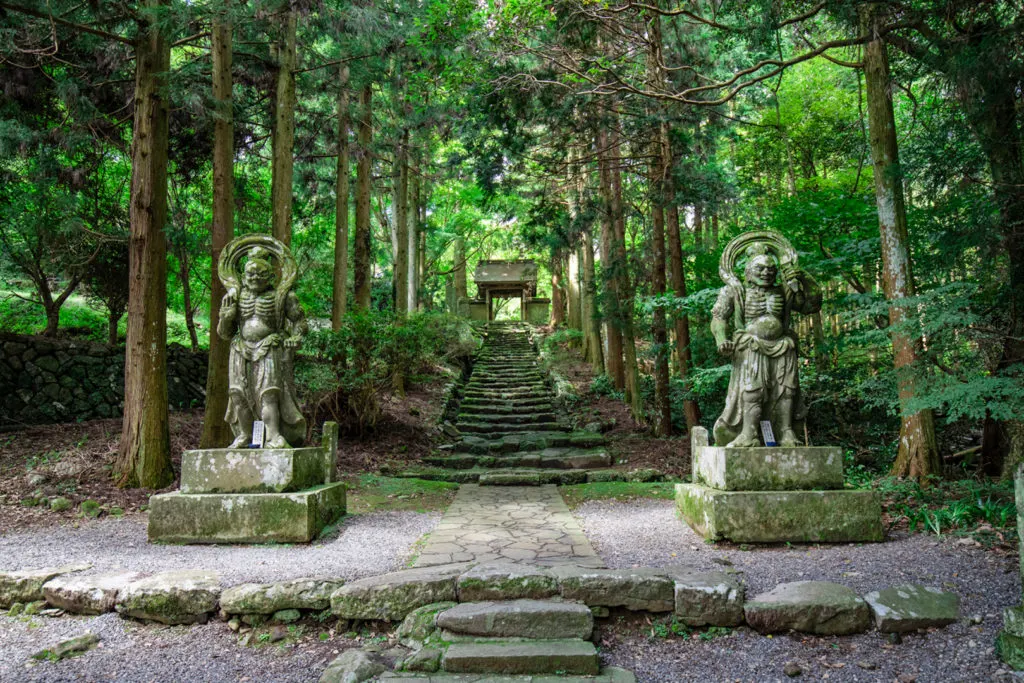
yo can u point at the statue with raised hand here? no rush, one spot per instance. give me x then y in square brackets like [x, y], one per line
[265, 325]
[764, 384]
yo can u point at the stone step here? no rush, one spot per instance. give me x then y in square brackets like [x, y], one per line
[550, 458]
[499, 394]
[610, 674]
[538, 657]
[528, 441]
[537, 619]
[506, 427]
[508, 416]
[503, 408]
[497, 477]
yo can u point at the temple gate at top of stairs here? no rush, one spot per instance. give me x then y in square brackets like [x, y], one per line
[507, 280]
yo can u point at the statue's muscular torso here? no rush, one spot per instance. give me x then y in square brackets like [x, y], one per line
[763, 309]
[257, 313]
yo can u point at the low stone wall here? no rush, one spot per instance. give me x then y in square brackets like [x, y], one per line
[45, 381]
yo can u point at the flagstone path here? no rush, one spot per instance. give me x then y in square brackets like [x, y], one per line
[508, 523]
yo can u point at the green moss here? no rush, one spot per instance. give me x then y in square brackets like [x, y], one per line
[89, 508]
[619, 490]
[370, 492]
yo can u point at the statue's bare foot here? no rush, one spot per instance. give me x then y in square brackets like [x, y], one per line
[277, 442]
[744, 440]
[789, 439]
[241, 441]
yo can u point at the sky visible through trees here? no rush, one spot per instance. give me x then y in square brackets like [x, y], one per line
[619, 144]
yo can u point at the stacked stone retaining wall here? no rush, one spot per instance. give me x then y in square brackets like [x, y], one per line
[45, 381]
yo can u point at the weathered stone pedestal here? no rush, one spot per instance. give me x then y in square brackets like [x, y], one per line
[239, 495]
[770, 495]
[1010, 643]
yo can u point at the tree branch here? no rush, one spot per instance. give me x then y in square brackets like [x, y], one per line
[64, 22]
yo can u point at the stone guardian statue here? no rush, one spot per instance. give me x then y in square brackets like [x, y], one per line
[764, 384]
[261, 317]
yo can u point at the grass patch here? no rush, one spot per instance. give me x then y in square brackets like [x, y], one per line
[371, 492]
[576, 494]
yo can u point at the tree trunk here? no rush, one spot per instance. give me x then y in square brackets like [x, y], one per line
[572, 292]
[112, 320]
[52, 318]
[412, 272]
[186, 296]
[592, 328]
[361, 266]
[684, 356]
[461, 286]
[144, 458]
[216, 431]
[918, 455]
[613, 331]
[283, 132]
[339, 299]
[400, 226]
[557, 290]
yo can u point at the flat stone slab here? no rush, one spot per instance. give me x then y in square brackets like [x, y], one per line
[267, 598]
[817, 607]
[632, 589]
[519, 525]
[251, 470]
[26, 585]
[539, 619]
[769, 469]
[506, 581]
[779, 516]
[393, 596]
[179, 597]
[90, 594]
[297, 517]
[538, 657]
[609, 674]
[911, 606]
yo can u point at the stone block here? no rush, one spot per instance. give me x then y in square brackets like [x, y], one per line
[539, 657]
[245, 517]
[708, 599]
[634, 590]
[351, 666]
[910, 607]
[506, 581]
[778, 516]
[539, 619]
[251, 470]
[92, 594]
[26, 585]
[817, 607]
[769, 469]
[179, 597]
[267, 598]
[393, 596]
[420, 624]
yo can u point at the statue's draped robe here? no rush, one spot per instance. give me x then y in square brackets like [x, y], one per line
[770, 365]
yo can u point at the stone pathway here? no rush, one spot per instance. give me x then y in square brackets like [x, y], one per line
[514, 524]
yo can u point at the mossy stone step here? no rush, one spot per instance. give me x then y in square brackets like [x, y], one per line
[506, 394]
[549, 458]
[537, 619]
[502, 408]
[610, 674]
[538, 657]
[505, 427]
[529, 441]
[497, 477]
[519, 416]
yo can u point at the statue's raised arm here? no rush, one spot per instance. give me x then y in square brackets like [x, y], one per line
[762, 345]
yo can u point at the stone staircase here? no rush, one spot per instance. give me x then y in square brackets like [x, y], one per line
[511, 430]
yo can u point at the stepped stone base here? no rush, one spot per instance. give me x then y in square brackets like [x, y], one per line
[245, 517]
[256, 470]
[769, 469]
[777, 516]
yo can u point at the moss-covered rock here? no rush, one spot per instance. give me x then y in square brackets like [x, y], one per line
[421, 624]
[267, 598]
[27, 585]
[92, 594]
[817, 607]
[634, 590]
[911, 607]
[506, 581]
[393, 596]
[179, 597]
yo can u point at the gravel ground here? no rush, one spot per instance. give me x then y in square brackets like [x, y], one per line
[364, 545]
[647, 533]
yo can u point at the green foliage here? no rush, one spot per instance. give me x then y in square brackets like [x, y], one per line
[371, 492]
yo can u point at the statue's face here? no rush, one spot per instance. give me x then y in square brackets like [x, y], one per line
[762, 271]
[257, 278]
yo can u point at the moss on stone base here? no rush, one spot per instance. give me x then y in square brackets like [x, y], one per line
[778, 516]
[245, 517]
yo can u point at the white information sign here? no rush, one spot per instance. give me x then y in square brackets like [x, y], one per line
[258, 433]
[767, 433]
